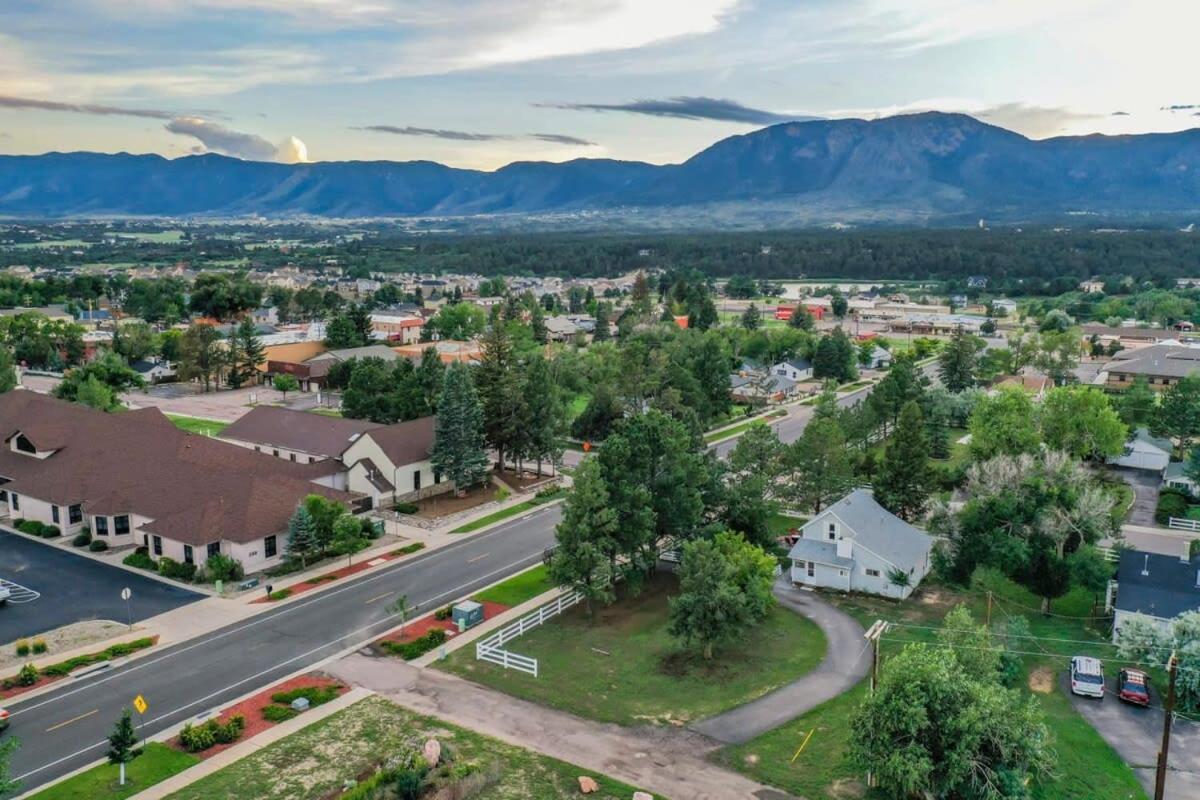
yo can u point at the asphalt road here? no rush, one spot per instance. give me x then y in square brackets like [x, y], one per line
[67, 728]
[73, 588]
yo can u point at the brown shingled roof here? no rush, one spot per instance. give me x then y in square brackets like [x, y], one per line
[406, 442]
[302, 431]
[194, 488]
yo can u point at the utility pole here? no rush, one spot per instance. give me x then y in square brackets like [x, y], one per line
[877, 629]
[1160, 777]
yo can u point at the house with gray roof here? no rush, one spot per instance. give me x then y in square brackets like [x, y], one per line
[1156, 586]
[856, 545]
[1175, 477]
[1144, 451]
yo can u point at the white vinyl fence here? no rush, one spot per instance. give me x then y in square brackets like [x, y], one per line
[492, 648]
[1180, 524]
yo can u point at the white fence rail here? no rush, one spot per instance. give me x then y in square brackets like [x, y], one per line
[1179, 524]
[1109, 553]
[492, 648]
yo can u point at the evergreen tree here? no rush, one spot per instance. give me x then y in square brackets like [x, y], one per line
[585, 537]
[8, 370]
[246, 353]
[802, 319]
[340, 333]
[1136, 404]
[302, 536]
[639, 298]
[121, 743]
[430, 376]
[710, 366]
[835, 358]
[958, 361]
[1178, 414]
[601, 333]
[201, 356]
[364, 330]
[459, 446]
[751, 318]
[537, 324]
[499, 389]
[902, 483]
[818, 466]
[544, 415]
[839, 306]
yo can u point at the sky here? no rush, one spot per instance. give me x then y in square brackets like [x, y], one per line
[482, 83]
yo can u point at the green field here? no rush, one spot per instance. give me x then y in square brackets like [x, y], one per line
[1087, 766]
[505, 513]
[208, 427]
[519, 588]
[156, 763]
[740, 428]
[625, 668]
[161, 237]
[317, 761]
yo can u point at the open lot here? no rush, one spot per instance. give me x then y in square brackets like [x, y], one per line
[72, 588]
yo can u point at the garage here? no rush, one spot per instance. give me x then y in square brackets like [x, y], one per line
[1144, 452]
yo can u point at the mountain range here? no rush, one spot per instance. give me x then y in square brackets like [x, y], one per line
[918, 167]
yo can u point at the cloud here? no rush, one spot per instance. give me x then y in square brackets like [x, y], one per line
[251, 147]
[467, 136]
[33, 104]
[1036, 122]
[689, 108]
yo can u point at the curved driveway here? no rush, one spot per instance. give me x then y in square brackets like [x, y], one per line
[845, 664]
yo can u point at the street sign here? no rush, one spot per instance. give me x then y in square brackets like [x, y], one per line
[587, 447]
[140, 704]
[126, 594]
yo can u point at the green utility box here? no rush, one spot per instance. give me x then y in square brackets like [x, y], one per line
[467, 614]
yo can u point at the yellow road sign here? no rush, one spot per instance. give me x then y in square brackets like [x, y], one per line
[139, 703]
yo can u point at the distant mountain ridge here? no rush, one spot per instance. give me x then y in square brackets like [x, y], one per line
[920, 166]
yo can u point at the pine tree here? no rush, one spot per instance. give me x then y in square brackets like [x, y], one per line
[585, 537]
[639, 298]
[958, 362]
[364, 330]
[430, 375]
[537, 324]
[902, 483]
[801, 318]
[818, 466]
[499, 391]
[121, 742]
[459, 447]
[544, 415]
[246, 353]
[601, 333]
[302, 536]
[751, 318]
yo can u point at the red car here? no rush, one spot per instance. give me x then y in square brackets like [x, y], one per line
[1135, 687]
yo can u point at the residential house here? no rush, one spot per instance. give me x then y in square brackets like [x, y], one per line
[1004, 307]
[1159, 587]
[1175, 477]
[136, 479]
[311, 373]
[561, 329]
[1144, 452]
[1162, 365]
[397, 328]
[880, 359]
[1092, 286]
[1036, 383]
[300, 436]
[760, 388]
[856, 545]
[391, 463]
[154, 371]
[794, 369]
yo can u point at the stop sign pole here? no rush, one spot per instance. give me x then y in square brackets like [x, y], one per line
[125, 595]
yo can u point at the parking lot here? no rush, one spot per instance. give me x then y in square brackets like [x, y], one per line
[52, 587]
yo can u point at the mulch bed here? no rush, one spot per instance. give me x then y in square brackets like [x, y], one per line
[419, 627]
[251, 708]
[446, 503]
[45, 680]
[336, 574]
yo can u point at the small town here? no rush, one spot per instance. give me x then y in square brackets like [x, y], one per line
[560, 399]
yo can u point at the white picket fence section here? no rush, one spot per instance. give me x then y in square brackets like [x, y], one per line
[492, 648]
[1180, 524]
[1109, 553]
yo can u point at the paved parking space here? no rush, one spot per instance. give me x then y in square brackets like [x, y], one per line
[58, 587]
[1145, 485]
[18, 593]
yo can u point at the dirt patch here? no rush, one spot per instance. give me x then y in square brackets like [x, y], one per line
[68, 637]
[523, 480]
[445, 504]
[847, 789]
[1041, 680]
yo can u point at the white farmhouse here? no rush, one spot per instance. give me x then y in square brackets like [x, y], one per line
[856, 545]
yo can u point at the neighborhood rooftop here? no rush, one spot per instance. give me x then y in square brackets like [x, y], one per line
[303, 431]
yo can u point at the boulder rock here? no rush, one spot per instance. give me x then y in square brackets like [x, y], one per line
[432, 752]
[642, 796]
[588, 785]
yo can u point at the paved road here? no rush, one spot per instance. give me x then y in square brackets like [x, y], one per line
[65, 729]
[73, 588]
[1135, 733]
[845, 664]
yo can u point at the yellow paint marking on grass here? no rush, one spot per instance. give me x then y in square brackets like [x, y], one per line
[75, 719]
[802, 744]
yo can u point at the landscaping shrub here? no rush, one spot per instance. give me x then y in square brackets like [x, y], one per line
[281, 594]
[39, 646]
[1170, 504]
[118, 650]
[224, 568]
[409, 783]
[287, 567]
[370, 530]
[417, 647]
[408, 548]
[549, 493]
[98, 546]
[501, 495]
[50, 531]
[406, 508]
[22, 647]
[196, 738]
[82, 539]
[274, 713]
[316, 695]
[170, 568]
[141, 559]
[443, 613]
[28, 675]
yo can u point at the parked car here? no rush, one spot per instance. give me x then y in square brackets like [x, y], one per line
[1087, 677]
[3, 720]
[1134, 687]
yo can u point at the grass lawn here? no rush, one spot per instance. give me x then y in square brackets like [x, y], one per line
[1087, 766]
[576, 406]
[780, 524]
[505, 513]
[625, 668]
[207, 427]
[740, 428]
[327, 412]
[959, 453]
[157, 763]
[349, 745]
[518, 588]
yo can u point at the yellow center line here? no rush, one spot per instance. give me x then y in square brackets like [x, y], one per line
[477, 558]
[76, 719]
[377, 597]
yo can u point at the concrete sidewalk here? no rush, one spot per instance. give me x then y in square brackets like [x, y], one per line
[845, 664]
[668, 761]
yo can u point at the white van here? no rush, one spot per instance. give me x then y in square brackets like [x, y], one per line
[1087, 677]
